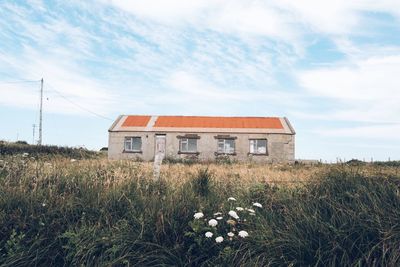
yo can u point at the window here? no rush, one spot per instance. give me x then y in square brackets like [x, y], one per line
[133, 144]
[188, 145]
[226, 146]
[258, 146]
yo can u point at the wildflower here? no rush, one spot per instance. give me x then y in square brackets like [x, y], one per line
[208, 234]
[217, 213]
[43, 204]
[251, 210]
[25, 155]
[230, 234]
[258, 205]
[219, 239]
[243, 234]
[239, 208]
[219, 218]
[73, 160]
[231, 199]
[212, 222]
[198, 215]
[233, 214]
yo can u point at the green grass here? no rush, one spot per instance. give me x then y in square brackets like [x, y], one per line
[112, 214]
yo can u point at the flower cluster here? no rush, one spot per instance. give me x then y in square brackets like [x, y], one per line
[228, 226]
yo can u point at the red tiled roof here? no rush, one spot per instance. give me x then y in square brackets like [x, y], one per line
[218, 122]
[136, 121]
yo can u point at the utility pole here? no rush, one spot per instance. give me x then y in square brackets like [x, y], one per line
[33, 133]
[41, 111]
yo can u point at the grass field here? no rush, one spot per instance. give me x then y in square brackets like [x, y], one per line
[91, 212]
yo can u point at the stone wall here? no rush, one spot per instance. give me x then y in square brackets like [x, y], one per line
[280, 147]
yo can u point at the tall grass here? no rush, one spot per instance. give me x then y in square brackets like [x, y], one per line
[98, 213]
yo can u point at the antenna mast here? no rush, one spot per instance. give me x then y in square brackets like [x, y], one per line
[41, 111]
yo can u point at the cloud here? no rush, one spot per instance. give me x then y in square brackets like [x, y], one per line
[63, 79]
[237, 17]
[365, 89]
[386, 132]
[283, 19]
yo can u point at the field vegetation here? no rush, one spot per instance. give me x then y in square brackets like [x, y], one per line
[22, 147]
[92, 212]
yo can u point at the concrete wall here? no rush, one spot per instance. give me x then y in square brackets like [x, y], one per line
[280, 147]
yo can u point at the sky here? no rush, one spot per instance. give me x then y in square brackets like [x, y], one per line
[331, 67]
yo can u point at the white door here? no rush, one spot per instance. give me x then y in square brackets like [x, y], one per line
[160, 145]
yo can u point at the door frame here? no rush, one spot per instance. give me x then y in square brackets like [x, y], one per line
[160, 137]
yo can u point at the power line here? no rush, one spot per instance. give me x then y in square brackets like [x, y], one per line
[61, 95]
[20, 81]
[76, 104]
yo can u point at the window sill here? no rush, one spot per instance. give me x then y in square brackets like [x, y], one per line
[225, 154]
[257, 154]
[188, 153]
[132, 152]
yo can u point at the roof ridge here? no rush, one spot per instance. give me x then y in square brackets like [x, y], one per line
[207, 116]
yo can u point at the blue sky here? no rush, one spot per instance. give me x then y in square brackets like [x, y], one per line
[331, 67]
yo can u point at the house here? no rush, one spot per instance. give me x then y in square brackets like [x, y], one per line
[265, 139]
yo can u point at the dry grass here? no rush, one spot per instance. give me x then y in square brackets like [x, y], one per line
[177, 174]
[58, 212]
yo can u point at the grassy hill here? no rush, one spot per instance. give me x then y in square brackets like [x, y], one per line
[21, 147]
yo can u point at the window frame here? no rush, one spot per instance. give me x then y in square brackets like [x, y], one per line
[130, 139]
[185, 140]
[224, 145]
[256, 140]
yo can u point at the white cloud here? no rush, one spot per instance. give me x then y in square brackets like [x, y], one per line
[249, 17]
[195, 95]
[367, 89]
[274, 18]
[386, 132]
[61, 77]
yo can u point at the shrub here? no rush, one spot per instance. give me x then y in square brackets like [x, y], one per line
[34, 150]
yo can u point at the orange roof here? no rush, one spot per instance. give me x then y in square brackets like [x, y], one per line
[218, 122]
[136, 121]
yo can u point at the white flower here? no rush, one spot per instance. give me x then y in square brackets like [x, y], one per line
[233, 214]
[219, 218]
[25, 155]
[212, 222]
[252, 214]
[230, 234]
[251, 210]
[258, 205]
[219, 239]
[43, 204]
[208, 234]
[73, 160]
[198, 215]
[243, 234]
[217, 213]
[239, 208]
[231, 199]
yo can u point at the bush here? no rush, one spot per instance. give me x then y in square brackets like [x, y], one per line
[21, 147]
